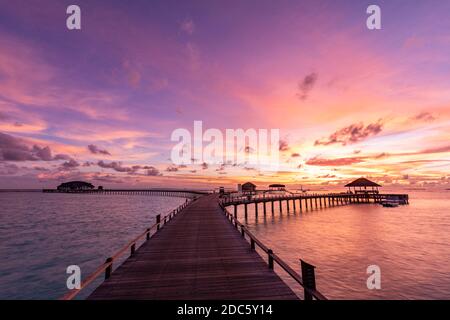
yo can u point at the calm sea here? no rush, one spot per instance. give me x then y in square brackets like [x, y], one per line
[410, 244]
[41, 234]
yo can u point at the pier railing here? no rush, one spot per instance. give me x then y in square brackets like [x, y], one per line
[107, 266]
[306, 280]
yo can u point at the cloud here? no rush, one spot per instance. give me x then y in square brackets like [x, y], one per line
[96, 150]
[435, 150]
[284, 146]
[69, 165]
[117, 166]
[16, 149]
[424, 116]
[152, 171]
[316, 161]
[37, 168]
[221, 168]
[188, 26]
[172, 169]
[306, 85]
[8, 168]
[351, 134]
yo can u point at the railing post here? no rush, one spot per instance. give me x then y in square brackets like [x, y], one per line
[270, 256]
[158, 221]
[133, 248]
[252, 244]
[108, 269]
[309, 278]
[147, 236]
[243, 231]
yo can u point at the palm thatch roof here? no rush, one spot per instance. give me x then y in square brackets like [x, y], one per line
[362, 182]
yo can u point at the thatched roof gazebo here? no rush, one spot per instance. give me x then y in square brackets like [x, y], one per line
[363, 185]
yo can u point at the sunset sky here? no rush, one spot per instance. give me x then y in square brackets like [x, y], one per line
[100, 104]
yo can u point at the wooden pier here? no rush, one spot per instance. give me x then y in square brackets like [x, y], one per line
[201, 251]
[305, 202]
[198, 255]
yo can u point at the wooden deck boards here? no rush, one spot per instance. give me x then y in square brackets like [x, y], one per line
[198, 255]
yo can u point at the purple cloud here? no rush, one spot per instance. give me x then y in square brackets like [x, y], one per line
[96, 150]
[306, 85]
[351, 134]
[15, 149]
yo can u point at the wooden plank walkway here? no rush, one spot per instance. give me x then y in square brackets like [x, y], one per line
[197, 256]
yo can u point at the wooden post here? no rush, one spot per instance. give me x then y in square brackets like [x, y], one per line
[300, 203]
[281, 206]
[243, 231]
[287, 205]
[309, 278]
[108, 269]
[147, 236]
[252, 244]
[235, 211]
[246, 211]
[133, 249]
[272, 207]
[293, 202]
[158, 221]
[256, 208]
[270, 256]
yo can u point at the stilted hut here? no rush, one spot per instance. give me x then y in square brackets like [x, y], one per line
[362, 185]
[248, 188]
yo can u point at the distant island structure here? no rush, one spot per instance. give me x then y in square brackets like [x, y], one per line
[75, 186]
[361, 183]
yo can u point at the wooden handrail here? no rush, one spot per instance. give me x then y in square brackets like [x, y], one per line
[129, 246]
[272, 257]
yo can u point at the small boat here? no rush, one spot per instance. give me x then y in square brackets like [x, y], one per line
[389, 204]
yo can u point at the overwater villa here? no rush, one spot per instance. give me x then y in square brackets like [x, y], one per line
[362, 185]
[248, 188]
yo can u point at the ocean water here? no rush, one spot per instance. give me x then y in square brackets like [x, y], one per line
[41, 234]
[410, 244]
